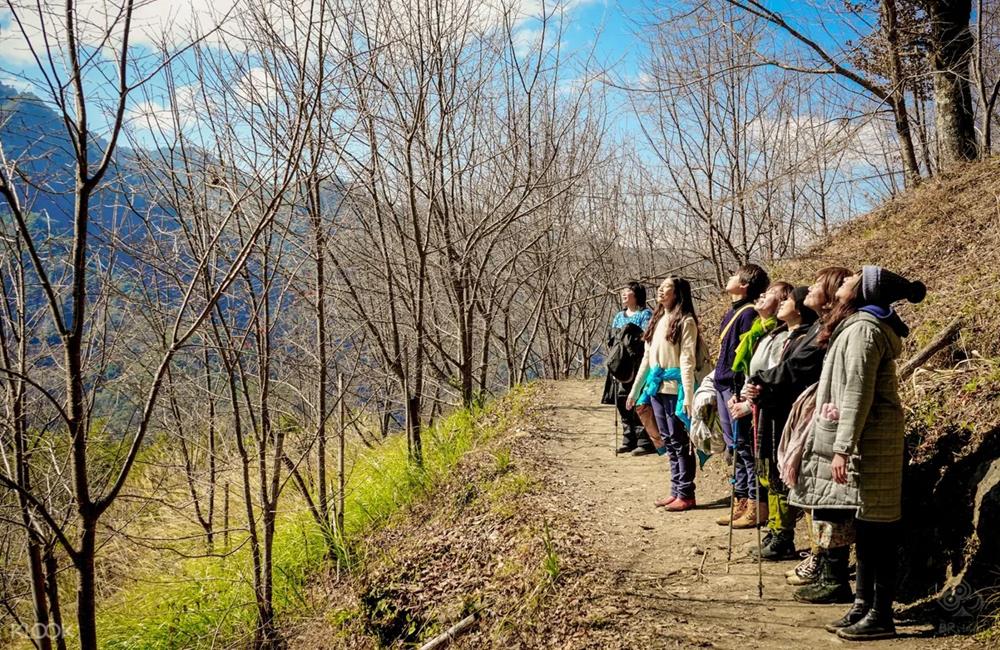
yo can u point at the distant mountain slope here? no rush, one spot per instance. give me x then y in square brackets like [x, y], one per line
[33, 135]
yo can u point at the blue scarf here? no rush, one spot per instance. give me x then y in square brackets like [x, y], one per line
[651, 386]
[888, 316]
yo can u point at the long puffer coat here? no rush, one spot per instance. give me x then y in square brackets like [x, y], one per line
[859, 378]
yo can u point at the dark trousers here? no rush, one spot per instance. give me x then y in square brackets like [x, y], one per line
[877, 548]
[682, 462]
[633, 433]
[738, 435]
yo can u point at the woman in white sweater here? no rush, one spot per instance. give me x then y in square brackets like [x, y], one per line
[667, 379]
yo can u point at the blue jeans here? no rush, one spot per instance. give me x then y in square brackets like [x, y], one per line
[743, 457]
[682, 462]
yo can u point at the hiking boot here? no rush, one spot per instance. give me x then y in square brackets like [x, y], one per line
[833, 584]
[625, 449]
[754, 515]
[805, 572]
[853, 615]
[873, 626]
[665, 501]
[823, 592]
[780, 547]
[805, 558]
[643, 450]
[680, 505]
[768, 538]
[741, 505]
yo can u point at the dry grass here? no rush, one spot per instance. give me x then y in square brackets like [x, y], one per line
[946, 233]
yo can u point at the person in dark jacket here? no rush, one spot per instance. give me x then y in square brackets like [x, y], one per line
[823, 575]
[798, 318]
[743, 288]
[635, 311]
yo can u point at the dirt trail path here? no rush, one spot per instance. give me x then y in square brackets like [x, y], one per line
[657, 557]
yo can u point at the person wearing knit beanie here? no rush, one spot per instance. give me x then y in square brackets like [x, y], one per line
[879, 288]
[882, 287]
[854, 454]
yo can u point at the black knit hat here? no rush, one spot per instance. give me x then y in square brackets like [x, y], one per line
[882, 287]
[807, 314]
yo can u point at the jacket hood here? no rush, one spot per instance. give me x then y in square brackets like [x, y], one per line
[886, 325]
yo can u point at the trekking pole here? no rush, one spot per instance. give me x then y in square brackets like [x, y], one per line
[757, 466]
[732, 493]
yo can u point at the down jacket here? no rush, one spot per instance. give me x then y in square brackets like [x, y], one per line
[859, 378]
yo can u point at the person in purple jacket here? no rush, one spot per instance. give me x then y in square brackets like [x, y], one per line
[743, 288]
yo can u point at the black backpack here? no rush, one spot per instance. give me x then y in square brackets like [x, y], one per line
[626, 353]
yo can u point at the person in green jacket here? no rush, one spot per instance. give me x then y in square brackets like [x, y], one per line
[853, 459]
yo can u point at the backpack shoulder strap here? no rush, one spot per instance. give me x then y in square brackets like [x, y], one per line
[729, 325]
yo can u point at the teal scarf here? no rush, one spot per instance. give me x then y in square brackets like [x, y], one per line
[651, 386]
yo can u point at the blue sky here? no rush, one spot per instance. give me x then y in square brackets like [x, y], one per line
[608, 26]
[617, 20]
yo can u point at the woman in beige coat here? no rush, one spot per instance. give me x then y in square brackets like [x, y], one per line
[668, 377]
[853, 458]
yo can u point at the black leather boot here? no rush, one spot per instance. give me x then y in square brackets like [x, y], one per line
[876, 624]
[857, 612]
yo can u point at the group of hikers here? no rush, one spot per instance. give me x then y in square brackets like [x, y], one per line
[803, 401]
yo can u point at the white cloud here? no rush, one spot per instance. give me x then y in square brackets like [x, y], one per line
[173, 22]
[526, 40]
[156, 115]
[18, 83]
[258, 87]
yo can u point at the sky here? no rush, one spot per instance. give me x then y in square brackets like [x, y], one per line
[605, 32]
[607, 29]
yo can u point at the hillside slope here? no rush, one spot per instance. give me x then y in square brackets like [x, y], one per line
[947, 233]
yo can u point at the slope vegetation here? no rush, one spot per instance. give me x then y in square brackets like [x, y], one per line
[947, 233]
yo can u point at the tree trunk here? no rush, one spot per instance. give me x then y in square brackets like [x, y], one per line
[897, 97]
[951, 58]
[52, 588]
[86, 597]
[413, 424]
[319, 251]
[212, 470]
[40, 631]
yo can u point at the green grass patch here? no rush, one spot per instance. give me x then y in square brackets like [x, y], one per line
[209, 601]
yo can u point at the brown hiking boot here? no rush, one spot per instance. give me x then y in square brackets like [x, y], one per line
[741, 505]
[752, 517]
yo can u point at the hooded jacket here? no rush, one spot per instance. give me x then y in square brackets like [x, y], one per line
[859, 378]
